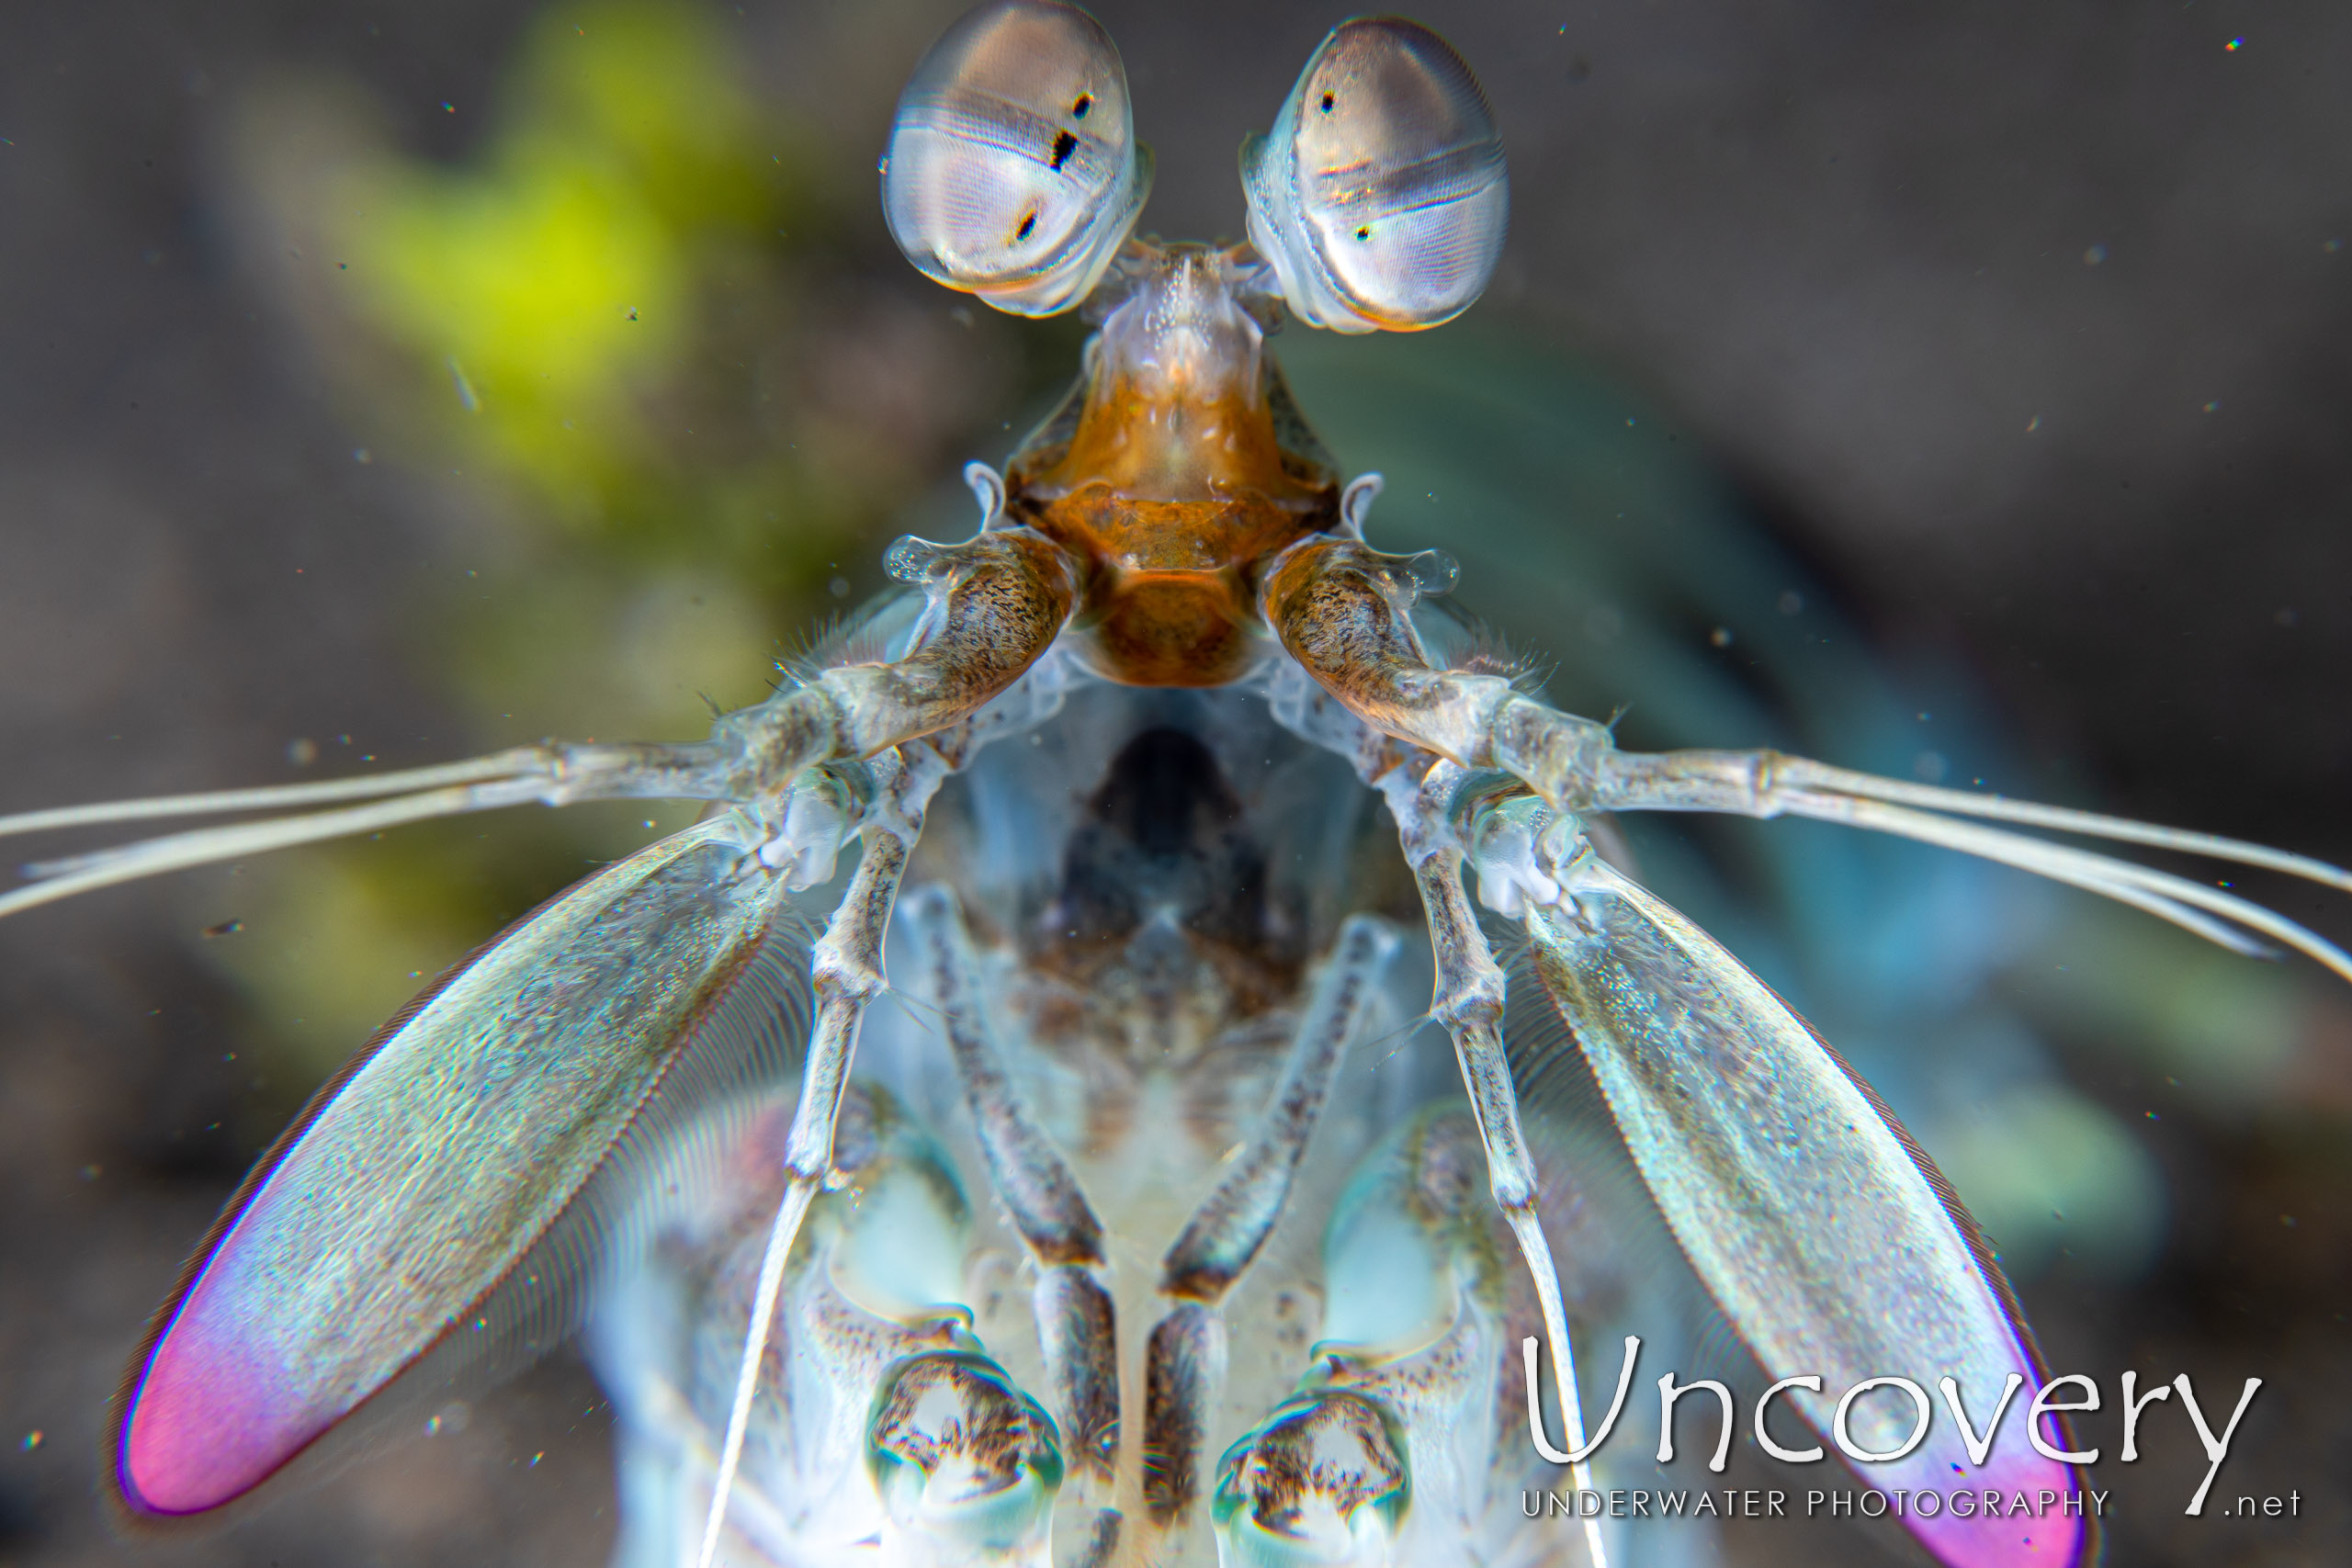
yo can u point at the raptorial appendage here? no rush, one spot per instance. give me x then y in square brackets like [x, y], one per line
[1308, 1354]
[1823, 1233]
[992, 606]
[884, 1419]
[989, 608]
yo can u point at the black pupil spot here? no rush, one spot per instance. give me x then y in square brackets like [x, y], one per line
[1078, 110]
[1363, 233]
[1028, 221]
[1328, 101]
[1064, 145]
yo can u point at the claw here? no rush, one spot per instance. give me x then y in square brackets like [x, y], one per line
[1322, 1481]
[965, 1463]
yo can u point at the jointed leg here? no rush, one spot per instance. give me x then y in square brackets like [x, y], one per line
[1183, 1368]
[846, 974]
[1226, 1231]
[1184, 1356]
[1184, 1360]
[1075, 1323]
[997, 603]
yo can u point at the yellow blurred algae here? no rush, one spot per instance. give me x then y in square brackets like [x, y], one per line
[558, 277]
[594, 319]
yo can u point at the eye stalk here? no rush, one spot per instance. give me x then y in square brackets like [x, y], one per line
[1380, 196]
[1014, 172]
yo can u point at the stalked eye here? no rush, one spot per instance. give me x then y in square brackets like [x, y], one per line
[1380, 195]
[1014, 172]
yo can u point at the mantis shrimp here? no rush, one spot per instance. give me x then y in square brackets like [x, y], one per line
[1227, 1182]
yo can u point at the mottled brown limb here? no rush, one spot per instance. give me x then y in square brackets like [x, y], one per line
[1183, 1368]
[1077, 1327]
[1232, 1225]
[846, 972]
[1345, 612]
[997, 603]
[1078, 1332]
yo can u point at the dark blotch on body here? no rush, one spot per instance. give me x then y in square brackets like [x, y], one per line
[1164, 840]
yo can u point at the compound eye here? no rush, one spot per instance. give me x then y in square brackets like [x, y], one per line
[1013, 172]
[1380, 196]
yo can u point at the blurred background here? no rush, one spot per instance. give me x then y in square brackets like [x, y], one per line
[380, 385]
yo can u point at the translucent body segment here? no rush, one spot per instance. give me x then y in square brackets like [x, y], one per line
[415, 1185]
[1380, 196]
[1013, 171]
[1408, 1235]
[898, 1248]
[884, 1430]
[1820, 1229]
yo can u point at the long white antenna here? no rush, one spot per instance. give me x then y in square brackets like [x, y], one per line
[557, 773]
